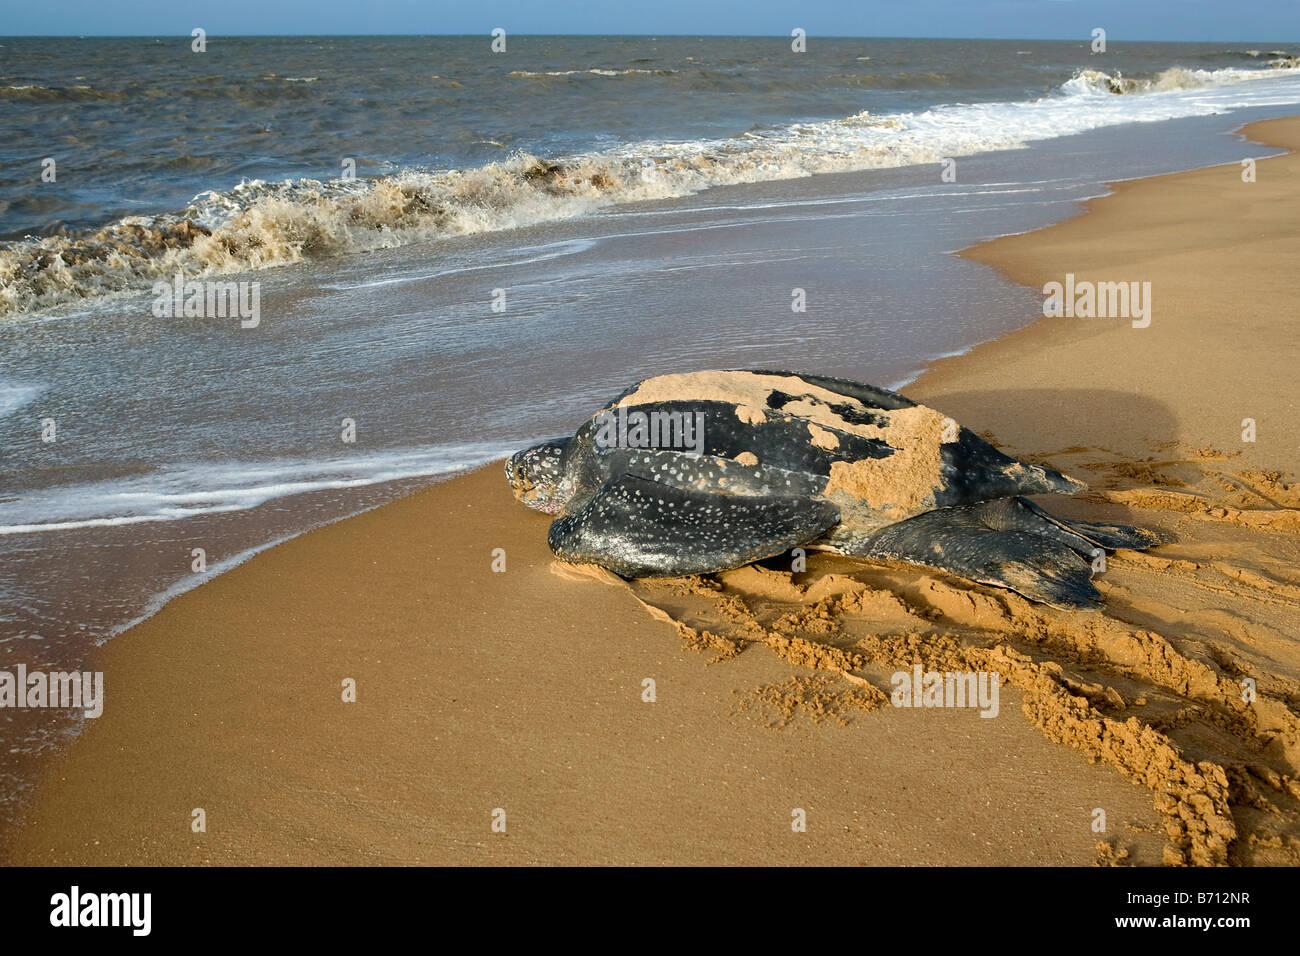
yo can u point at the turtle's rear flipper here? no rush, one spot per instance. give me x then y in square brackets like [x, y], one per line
[641, 528]
[1039, 568]
[982, 544]
[1011, 543]
[1108, 536]
[1085, 537]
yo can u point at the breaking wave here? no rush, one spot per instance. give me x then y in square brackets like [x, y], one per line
[1174, 78]
[259, 225]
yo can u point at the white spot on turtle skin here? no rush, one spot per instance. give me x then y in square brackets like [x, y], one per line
[747, 458]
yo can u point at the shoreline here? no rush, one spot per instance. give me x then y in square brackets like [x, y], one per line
[523, 677]
[1019, 258]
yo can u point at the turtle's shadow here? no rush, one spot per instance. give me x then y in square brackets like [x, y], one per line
[1066, 428]
[1043, 421]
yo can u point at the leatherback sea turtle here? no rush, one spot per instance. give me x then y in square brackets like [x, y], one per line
[707, 471]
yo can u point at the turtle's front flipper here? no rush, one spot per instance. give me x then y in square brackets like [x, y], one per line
[1042, 565]
[641, 528]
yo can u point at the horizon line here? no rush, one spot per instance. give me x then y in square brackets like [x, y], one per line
[657, 35]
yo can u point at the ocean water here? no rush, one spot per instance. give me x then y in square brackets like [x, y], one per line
[235, 158]
[631, 206]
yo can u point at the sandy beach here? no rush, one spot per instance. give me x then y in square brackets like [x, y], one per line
[504, 716]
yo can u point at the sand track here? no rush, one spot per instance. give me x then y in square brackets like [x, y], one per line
[1155, 688]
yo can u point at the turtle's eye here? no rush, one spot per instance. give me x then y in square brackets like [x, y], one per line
[517, 472]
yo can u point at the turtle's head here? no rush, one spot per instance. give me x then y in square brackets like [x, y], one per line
[536, 474]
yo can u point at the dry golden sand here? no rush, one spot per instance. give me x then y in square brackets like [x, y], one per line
[523, 690]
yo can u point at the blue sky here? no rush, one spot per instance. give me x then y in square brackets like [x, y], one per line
[1223, 20]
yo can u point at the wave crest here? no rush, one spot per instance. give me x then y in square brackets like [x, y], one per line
[258, 225]
[1174, 78]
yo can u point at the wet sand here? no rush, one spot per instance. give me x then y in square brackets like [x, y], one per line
[522, 691]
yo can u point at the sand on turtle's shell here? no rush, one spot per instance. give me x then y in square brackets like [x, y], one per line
[906, 482]
[892, 488]
[822, 438]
